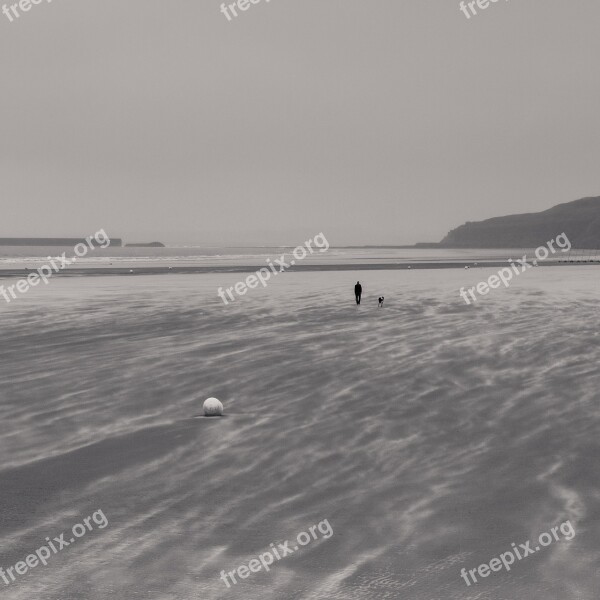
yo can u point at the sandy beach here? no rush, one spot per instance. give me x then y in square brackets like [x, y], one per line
[430, 434]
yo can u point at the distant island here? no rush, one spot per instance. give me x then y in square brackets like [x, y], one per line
[51, 242]
[70, 242]
[148, 245]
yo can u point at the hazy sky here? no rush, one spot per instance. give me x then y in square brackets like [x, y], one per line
[379, 121]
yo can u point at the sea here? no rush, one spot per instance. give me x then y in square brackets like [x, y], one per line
[13, 257]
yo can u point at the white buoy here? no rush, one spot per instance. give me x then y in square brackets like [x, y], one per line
[131, 270]
[466, 266]
[409, 266]
[213, 408]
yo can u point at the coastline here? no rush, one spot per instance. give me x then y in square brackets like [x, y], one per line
[199, 270]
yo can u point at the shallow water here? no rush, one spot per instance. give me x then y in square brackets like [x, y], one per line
[33, 257]
[430, 434]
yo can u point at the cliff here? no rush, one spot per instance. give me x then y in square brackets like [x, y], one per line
[579, 219]
[148, 245]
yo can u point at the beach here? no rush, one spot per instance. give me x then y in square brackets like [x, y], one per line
[298, 301]
[431, 434]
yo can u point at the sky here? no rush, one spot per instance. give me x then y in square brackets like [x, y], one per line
[374, 122]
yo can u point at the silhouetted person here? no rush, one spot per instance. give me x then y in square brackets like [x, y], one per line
[358, 291]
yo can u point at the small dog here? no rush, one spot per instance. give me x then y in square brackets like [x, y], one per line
[381, 299]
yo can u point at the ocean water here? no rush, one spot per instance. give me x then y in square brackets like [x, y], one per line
[34, 257]
[430, 434]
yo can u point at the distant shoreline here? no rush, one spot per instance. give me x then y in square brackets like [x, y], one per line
[50, 242]
[107, 271]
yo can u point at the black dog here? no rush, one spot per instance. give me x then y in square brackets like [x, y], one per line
[381, 298]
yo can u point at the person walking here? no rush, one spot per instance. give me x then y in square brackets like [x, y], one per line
[358, 291]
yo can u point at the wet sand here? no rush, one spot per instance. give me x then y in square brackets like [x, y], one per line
[431, 434]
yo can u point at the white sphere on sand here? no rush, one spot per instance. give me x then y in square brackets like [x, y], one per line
[213, 408]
